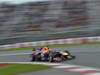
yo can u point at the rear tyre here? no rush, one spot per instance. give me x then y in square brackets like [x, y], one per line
[51, 59]
[38, 58]
[33, 58]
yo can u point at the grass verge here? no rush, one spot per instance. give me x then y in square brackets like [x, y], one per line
[51, 46]
[15, 69]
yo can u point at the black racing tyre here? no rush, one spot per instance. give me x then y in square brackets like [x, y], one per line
[73, 57]
[51, 59]
[33, 58]
[38, 58]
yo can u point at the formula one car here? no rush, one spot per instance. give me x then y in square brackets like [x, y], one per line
[51, 56]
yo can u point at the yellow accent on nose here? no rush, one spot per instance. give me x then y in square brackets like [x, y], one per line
[65, 54]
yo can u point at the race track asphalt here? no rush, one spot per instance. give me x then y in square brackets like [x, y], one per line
[85, 56]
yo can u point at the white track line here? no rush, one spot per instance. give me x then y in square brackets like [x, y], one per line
[83, 69]
[14, 54]
[44, 63]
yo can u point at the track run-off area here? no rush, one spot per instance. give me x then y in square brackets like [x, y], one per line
[87, 61]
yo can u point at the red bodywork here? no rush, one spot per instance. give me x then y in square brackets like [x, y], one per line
[57, 59]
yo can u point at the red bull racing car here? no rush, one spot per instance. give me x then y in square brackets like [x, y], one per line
[51, 56]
